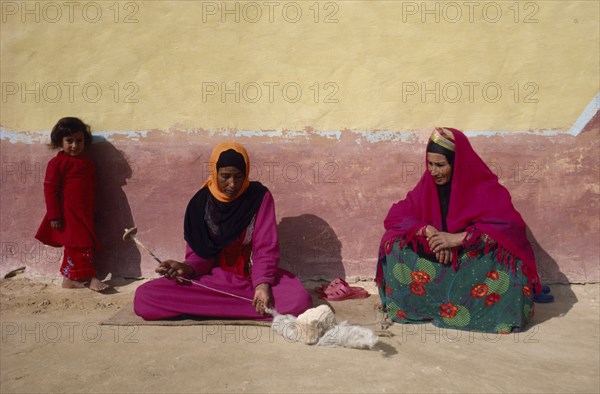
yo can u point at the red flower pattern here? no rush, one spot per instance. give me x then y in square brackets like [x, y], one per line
[401, 314]
[420, 277]
[388, 290]
[479, 291]
[473, 253]
[493, 275]
[417, 289]
[526, 291]
[448, 310]
[491, 299]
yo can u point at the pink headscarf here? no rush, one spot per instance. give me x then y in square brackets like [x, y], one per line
[477, 203]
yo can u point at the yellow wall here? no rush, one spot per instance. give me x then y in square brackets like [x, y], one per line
[163, 55]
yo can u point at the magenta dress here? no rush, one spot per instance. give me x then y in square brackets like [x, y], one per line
[249, 261]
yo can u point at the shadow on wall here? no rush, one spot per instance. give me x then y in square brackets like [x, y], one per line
[564, 297]
[113, 214]
[310, 248]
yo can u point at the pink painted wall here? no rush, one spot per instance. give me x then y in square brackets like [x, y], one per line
[331, 196]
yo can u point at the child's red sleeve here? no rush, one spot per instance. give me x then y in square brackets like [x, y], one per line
[52, 184]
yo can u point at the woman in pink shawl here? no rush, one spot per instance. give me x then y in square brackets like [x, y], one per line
[455, 252]
[232, 247]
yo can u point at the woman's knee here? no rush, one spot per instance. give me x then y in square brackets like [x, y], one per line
[296, 303]
[144, 300]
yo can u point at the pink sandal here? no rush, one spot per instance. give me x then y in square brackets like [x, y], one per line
[339, 290]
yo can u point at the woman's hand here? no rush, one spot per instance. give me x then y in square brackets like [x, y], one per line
[442, 240]
[56, 224]
[430, 230]
[444, 256]
[172, 269]
[441, 243]
[263, 298]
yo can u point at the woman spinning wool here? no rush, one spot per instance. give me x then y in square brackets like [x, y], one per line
[455, 251]
[232, 246]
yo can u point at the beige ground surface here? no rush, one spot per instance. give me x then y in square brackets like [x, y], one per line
[52, 342]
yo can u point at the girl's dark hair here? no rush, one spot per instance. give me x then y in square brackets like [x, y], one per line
[66, 127]
[435, 148]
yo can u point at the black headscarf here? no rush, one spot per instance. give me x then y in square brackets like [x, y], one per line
[210, 225]
[231, 158]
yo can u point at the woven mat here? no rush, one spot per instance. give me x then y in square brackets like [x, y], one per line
[360, 312]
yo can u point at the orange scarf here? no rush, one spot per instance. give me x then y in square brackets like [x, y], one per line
[212, 183]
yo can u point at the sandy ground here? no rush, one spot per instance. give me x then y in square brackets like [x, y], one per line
[52, 342]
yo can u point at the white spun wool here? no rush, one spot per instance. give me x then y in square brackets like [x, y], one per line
[345, 335]
[306, 328]
[317, 326]
[313, 323]
[285, 325]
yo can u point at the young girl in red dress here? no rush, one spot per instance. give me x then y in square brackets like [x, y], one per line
[70, 192]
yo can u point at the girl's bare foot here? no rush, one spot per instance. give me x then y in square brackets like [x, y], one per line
[97, 285]
[72, 284]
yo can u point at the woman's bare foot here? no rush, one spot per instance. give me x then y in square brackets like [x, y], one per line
[97, 285]
[72, 284]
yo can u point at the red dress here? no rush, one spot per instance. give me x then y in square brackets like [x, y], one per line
[70, 193]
